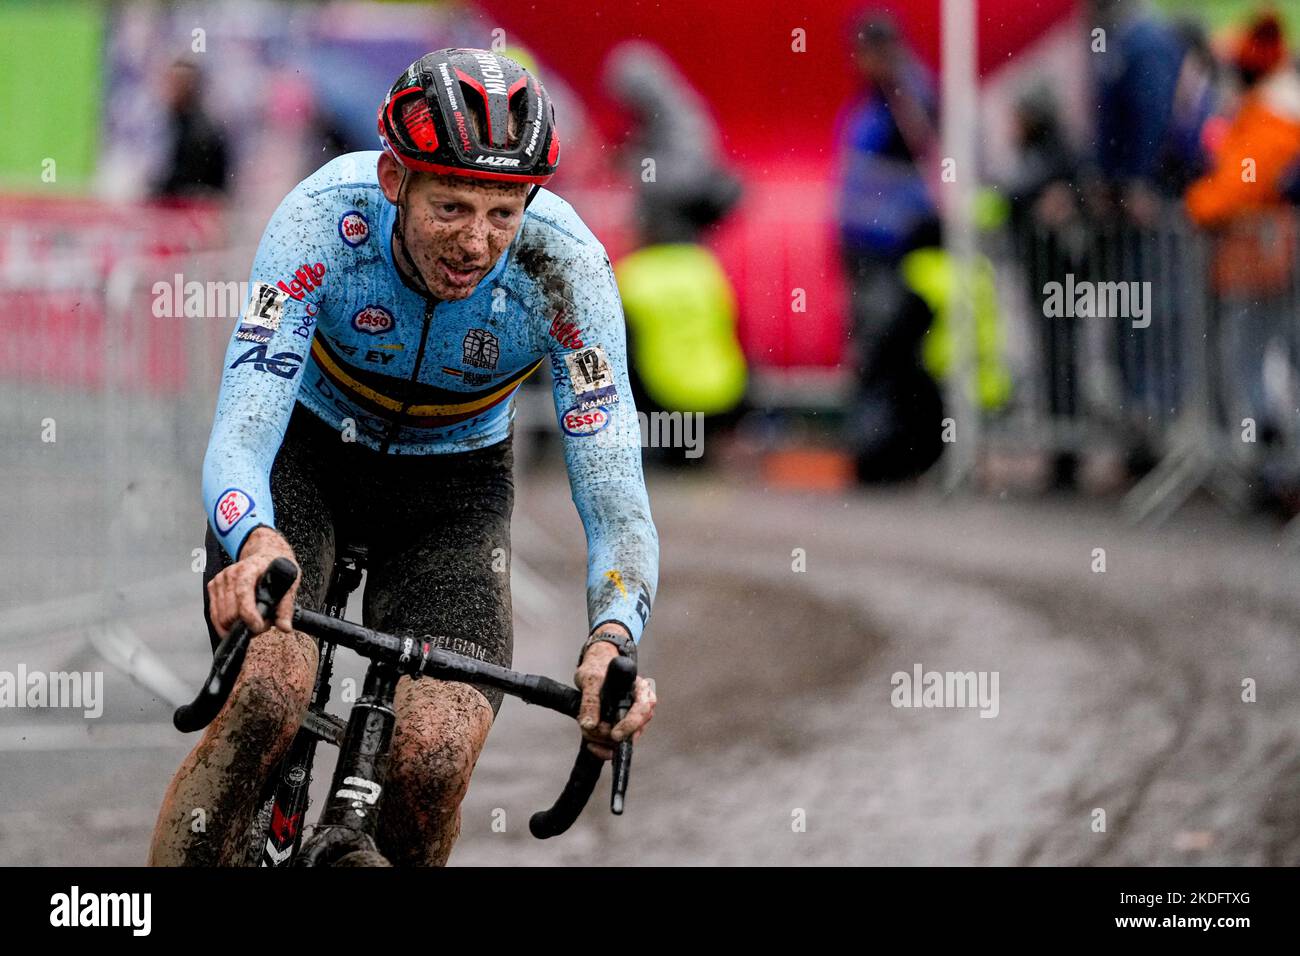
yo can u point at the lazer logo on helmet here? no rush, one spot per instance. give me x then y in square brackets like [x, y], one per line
[305, 279]
[496, 160]
[579, 423]
[232, 506]
[353, 228]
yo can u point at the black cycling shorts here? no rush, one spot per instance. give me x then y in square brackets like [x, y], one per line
[437, 529]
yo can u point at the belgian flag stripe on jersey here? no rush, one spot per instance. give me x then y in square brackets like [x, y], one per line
[431, 406]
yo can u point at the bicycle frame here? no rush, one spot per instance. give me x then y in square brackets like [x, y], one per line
[293, 775]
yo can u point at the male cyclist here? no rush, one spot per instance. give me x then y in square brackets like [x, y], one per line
[398, 299]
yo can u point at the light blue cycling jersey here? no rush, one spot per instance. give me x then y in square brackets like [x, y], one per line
[332, 324]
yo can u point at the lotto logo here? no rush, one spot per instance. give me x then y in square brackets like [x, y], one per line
[565, 332]
[305, 279]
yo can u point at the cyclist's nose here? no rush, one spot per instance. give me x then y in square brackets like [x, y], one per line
[473, 241]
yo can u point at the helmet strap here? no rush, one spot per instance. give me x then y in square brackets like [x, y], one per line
[399, 234]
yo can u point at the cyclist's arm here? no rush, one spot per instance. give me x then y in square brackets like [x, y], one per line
[259, 380]
[604, 460]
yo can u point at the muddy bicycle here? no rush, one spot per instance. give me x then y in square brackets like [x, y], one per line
[345, 832]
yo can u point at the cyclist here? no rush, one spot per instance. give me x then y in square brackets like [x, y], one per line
[397, 300]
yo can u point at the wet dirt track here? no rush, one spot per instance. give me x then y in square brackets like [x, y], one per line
[1118, 691]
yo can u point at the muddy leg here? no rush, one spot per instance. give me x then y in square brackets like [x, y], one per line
[441, 728]
[208, 806]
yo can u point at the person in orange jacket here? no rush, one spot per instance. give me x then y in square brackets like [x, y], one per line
[1241, 200]
[1262, 140]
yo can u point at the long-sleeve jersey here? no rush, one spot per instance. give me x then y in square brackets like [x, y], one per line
[331, 323]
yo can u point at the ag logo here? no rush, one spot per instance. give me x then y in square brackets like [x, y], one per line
[353, 228]
[283, 364]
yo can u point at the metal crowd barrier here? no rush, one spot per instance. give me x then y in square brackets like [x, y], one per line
[1164, 342]
[107, 403]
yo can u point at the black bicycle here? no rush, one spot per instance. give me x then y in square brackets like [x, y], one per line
[345, 832]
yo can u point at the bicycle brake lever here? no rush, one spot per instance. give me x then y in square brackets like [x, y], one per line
[621, 675]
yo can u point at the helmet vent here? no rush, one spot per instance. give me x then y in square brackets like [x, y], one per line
[419, 124]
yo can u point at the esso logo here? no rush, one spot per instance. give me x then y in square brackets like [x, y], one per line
[353, 228]
[230, 508]
[372, 320]
[588, 422]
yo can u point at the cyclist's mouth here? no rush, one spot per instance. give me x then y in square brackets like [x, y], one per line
[458, 277]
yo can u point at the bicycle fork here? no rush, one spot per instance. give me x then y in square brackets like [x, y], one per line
[350, 819]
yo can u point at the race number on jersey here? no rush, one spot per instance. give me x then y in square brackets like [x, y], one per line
[592, 377]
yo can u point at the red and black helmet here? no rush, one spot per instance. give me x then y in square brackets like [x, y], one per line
[451, 113]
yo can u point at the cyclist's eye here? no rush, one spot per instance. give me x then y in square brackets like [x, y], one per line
[449, 208]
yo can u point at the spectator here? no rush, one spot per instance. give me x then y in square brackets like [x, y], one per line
[196, 163]
[1052, 238]
[1242, 199]
[691, 188]
[1183, 157]
[1136, 80]
[685, 356]
[885, 211]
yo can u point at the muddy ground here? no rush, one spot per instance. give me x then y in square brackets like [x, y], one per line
[776, 741]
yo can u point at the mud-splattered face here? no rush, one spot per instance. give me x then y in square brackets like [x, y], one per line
[455, 228]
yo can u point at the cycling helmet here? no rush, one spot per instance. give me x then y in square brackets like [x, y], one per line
[450, 113]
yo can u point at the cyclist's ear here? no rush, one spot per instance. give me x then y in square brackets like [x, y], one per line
[390, 176]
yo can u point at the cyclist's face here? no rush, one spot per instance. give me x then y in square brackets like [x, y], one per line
[456, 229]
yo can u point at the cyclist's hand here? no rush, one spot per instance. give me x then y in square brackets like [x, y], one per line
[232, 594]
[600, 737]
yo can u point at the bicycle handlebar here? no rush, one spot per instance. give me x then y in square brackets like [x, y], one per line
[229, 655]
[413, 656]
[615, 699]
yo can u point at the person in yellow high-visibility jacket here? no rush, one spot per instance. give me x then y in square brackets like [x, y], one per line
[681, 320]
[928, 272]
